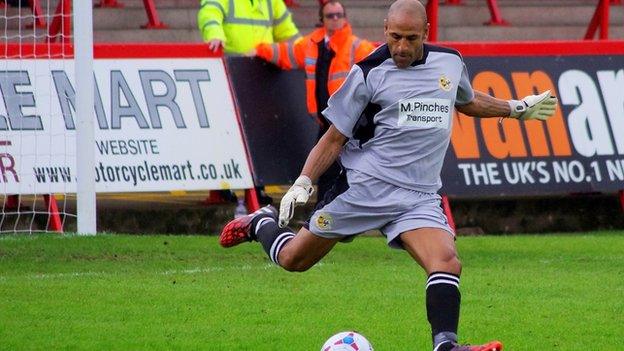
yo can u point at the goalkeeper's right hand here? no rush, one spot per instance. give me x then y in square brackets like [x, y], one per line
[539, 107]
[298, 194]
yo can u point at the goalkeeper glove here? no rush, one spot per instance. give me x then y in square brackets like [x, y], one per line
[298, 194]
[539, 107]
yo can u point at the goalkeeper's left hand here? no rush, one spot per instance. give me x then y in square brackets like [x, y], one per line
[540, 107]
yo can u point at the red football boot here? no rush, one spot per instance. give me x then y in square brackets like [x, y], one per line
[238, 230]
[490, 346]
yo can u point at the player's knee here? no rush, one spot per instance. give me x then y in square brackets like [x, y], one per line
[451, 263]
[454, 264]
[292, 263]
[447, 262]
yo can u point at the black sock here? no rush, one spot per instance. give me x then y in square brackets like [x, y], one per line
[266, 231]
[443, 300]
[444, 346]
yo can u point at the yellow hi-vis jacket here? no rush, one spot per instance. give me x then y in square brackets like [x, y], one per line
[243, 24]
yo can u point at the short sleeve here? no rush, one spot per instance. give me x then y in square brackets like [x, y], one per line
[345, 106]
[465, 94]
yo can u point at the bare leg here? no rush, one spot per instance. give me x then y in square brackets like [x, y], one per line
[304, 250]
[433, 249]
[293, 252]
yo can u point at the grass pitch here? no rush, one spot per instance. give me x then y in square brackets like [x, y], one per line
[116, 292]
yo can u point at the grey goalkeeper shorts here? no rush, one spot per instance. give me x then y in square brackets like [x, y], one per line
[359, 203]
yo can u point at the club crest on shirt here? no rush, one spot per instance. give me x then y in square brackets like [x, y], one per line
[324, 221]
[445, 83]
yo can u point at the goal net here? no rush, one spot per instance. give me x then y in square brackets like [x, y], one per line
[38, 119]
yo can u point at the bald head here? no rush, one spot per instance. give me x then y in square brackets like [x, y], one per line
[411, 8]
[406, 29]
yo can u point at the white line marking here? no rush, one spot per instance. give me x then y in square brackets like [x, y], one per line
[191, 271]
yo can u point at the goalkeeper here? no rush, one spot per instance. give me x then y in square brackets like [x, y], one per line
[391, 126]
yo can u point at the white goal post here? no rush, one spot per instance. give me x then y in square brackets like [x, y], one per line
[85, 126]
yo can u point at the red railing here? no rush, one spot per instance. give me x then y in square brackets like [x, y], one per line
[600, 19]
[293, 3]
[496, 19]
[37, 13]
[61, 19]
[432, 16]
[109, 3]
[61, 22]
[153, 19]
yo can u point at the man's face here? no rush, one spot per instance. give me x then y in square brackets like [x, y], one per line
[333, 17]
[405, 35]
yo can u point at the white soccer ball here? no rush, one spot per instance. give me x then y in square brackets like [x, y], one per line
[347, 341]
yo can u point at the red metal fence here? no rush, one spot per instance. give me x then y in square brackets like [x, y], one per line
[60, 25]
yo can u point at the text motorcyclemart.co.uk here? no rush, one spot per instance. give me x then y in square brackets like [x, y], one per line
[149, 172]
[145, 172]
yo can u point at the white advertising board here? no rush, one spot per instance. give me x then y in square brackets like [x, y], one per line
[162, 125]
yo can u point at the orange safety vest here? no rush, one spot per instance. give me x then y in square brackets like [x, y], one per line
[303, 53]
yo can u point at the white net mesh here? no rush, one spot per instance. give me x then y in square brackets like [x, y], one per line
[37, 137]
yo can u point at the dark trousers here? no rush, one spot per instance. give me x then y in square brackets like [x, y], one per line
[326, 180]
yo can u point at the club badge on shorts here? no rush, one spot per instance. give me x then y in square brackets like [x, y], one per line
[445, 83]
[324, 221]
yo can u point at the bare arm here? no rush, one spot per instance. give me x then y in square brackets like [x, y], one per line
[324, 153]
[484, 105]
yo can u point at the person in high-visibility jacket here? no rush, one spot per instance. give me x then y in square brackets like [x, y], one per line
[326, 55]
[239, 25]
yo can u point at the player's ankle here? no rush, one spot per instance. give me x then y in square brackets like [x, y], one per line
[444, 346]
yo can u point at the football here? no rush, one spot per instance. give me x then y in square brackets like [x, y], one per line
[347, 341]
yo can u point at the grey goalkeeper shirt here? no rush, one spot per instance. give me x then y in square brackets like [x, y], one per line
[398, 121]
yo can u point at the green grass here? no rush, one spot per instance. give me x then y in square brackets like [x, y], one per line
[115, 292]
